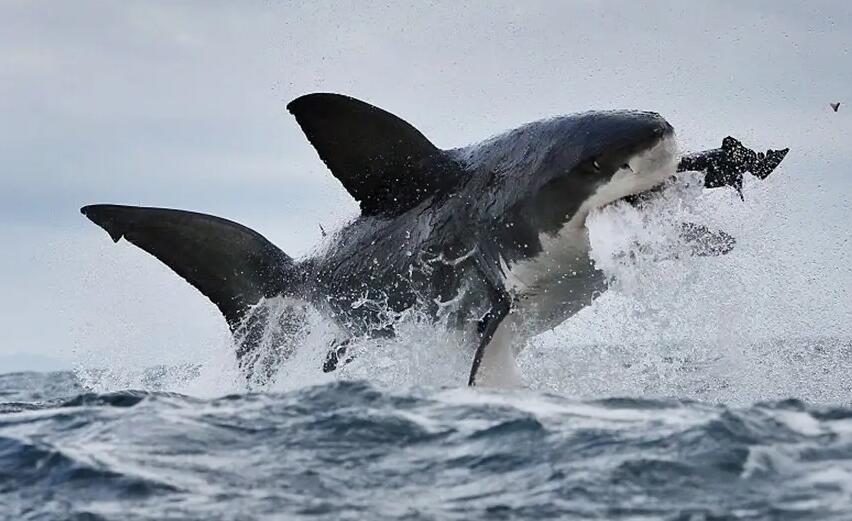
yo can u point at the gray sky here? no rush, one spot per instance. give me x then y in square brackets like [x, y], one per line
[181, 104]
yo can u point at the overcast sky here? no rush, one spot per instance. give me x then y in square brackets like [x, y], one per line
[182, 104]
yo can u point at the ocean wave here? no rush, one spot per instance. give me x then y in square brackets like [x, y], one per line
[351, 450]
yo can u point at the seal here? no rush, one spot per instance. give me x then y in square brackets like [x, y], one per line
[490, 238]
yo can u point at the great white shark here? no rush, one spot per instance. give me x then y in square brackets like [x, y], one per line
[491, 237]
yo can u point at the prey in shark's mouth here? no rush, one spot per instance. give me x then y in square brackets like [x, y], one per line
[500, 224]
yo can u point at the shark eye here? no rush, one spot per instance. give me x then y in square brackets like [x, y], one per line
[596, 164]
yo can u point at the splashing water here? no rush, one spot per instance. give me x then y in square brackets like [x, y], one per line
[728, 329]
[731, 329]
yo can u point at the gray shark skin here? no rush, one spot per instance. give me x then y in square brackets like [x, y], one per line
[489, 237]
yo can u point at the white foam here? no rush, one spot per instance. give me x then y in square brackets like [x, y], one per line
[800, 422]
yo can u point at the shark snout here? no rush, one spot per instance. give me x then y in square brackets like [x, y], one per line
[663, 128]
[650, 127]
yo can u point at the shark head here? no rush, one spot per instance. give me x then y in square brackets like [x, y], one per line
[556, 171]
[599, 157]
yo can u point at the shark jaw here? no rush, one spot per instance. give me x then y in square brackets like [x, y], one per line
[643, 171]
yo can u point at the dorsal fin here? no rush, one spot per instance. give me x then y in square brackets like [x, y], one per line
[382, 161]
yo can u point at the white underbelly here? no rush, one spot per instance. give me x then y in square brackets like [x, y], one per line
[550, 287]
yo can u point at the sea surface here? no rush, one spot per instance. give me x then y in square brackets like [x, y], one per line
[350, 449]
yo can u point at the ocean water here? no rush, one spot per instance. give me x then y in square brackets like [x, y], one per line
[350, 450]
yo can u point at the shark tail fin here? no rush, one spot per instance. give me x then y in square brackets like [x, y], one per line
[232, 265]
